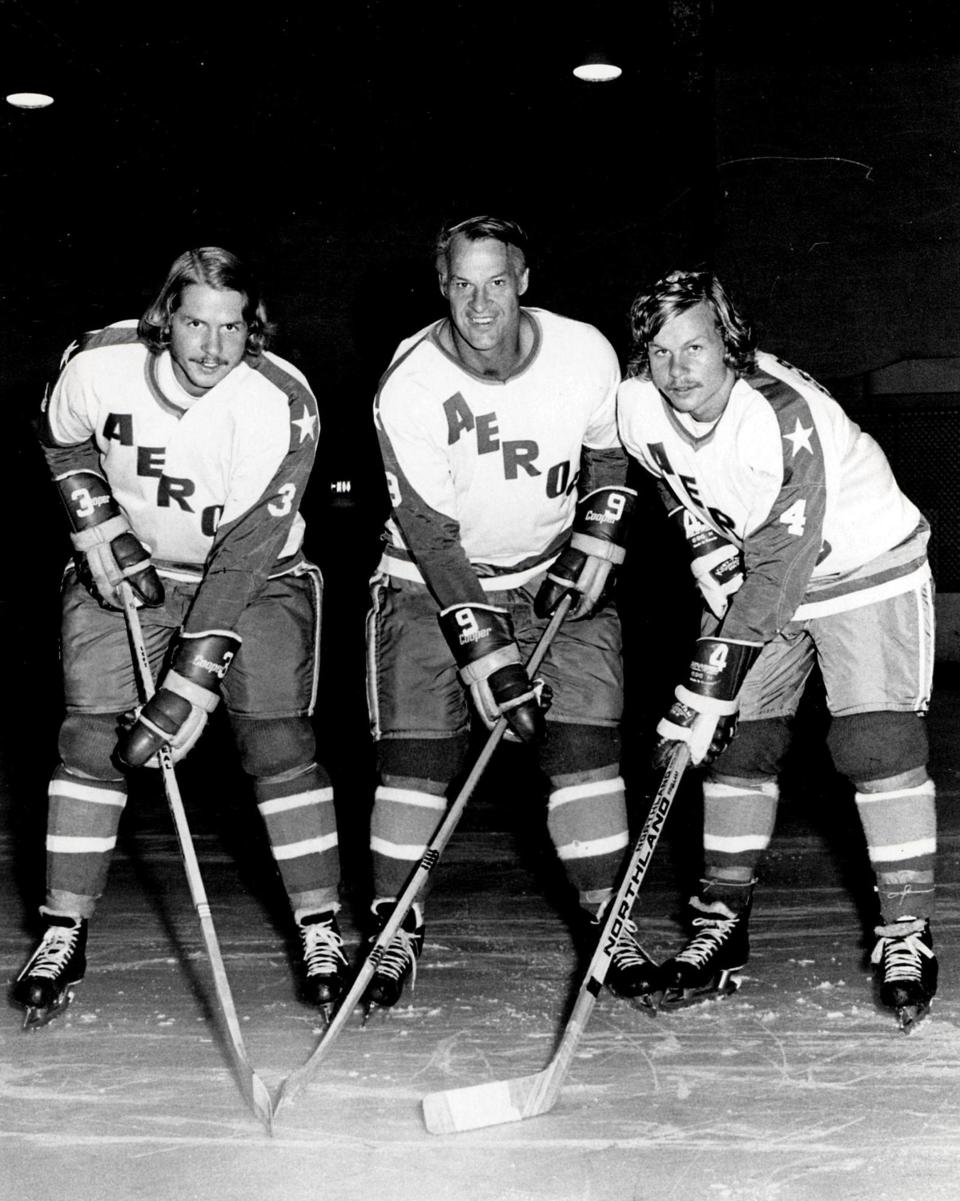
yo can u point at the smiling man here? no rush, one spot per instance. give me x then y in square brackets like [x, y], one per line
[807, 553]
[181, 448]
[497, 426]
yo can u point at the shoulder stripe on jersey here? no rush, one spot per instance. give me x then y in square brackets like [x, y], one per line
[304, 410]
[96, 339]
[113, 336]
[798, 430]
[294, 388]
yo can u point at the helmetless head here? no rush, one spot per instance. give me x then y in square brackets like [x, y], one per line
[690, 340]
[482, 270]
[209, 314]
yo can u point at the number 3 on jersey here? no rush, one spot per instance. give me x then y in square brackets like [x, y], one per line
[795, 518]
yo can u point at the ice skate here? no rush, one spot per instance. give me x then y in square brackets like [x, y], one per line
[908, 966]
[397, 961]
[632, 974]
[324, 963]
[708, 964]
[45, 987]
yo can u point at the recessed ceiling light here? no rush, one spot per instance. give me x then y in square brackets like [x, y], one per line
[29, 100]
[597, 68]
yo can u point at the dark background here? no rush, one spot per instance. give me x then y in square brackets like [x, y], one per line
[811, 153]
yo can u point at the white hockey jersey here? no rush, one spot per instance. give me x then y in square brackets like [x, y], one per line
[213, 486]
[483, 473]
[786, 476]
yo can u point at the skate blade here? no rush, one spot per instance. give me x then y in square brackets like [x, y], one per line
[909, 1017]
[647, 1002]
[371, 1008]
[721, 986]
[36, 1016]
[650, 1005]
[325, 1016]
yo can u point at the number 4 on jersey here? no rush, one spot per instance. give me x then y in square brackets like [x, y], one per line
[795, 518]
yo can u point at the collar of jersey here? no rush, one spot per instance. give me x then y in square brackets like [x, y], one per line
[682, 431]
[165, 389]
[434, 336]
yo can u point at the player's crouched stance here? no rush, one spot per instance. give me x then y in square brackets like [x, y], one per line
[808, 554]
[229, 607]
[586, 818]
[479, 552]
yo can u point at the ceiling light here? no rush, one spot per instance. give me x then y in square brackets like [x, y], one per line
[597, 68]
[29, 99]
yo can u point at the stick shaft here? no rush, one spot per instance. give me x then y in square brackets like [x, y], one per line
[618, 913]
[301, 1076]
[254, 1089]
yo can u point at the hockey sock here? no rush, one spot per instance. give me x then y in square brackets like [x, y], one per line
[900, 827]
[587, 822]
[297, 809]
[83, 817]
[406, 814]
[738, 822]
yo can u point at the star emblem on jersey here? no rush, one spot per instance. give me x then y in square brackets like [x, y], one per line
[307, 424]
[800, 438]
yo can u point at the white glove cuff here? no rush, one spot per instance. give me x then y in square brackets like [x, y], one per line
[599, 548]
[706, 704]
[97, 535]
[202, 698]
[670, 732]
[478, 671]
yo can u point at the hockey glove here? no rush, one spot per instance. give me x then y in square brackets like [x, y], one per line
[106, 550]
[189, 692]
[704, 714]
[481, 639]
[715, 562]
[596, 546]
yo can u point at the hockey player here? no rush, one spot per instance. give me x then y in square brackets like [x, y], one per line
[497, 427]
[181, 449]
[805, 551]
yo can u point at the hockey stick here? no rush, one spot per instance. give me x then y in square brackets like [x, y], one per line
[253, 1088]
[502, 1101]
[302, 1075]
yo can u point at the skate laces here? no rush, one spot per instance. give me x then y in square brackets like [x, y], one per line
[322, 948]
[901, 951]
[400, 956]
[713, 933]
[56, 947]
[628, 952]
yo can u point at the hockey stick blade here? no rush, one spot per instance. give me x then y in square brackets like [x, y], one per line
[298, 1079]
[253, 1088]
[452, 1111]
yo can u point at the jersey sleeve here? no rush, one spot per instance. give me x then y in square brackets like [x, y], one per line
[785, 537]
[601, 432]
[603, 462]
[260, 513]
[67, 424]
[602, 469]
[413, 445]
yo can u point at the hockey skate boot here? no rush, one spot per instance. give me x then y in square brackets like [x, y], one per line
[719, 948]
[908, 969]
[397, 960]
[45, 986]
[631, 974]
[324, 963]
